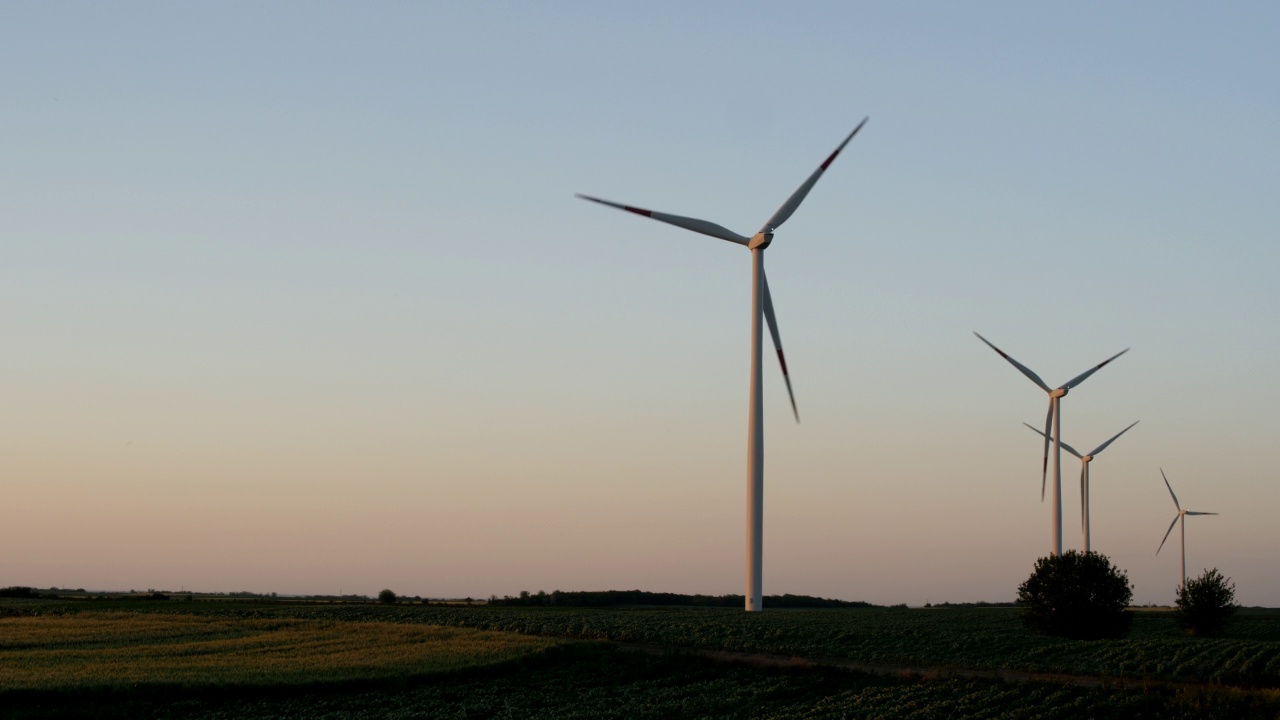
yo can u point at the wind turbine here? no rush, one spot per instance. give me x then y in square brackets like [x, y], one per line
[1053, 421]
[1180, 517]
[1084, 476]
[761, 304]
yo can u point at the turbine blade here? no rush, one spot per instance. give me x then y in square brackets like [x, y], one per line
[1081, 377]
[777, 340]
[798, 196]
[1025, 370]
[1166, 484]
[688, 223]
[1065, 446]
[1048, 428]
[1104, 445]
[1166, 533]
[1190, 512]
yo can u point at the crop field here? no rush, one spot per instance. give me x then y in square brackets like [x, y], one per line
[276, 659]
[116, 649]
[596, 681]
[977, 638]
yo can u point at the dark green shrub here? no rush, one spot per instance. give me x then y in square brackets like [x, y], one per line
[1206, 604]
[387, 596]
[1077, 595]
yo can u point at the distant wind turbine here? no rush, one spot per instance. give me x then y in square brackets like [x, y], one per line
[761, 304]
[1084, 476]
[1053, 421]
[1180, 517]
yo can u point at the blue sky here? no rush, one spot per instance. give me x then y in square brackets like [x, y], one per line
[298, 298]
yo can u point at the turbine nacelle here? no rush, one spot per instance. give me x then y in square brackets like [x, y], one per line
[1058, 392]
[760, 240]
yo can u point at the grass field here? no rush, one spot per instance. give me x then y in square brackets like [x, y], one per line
[275, 659]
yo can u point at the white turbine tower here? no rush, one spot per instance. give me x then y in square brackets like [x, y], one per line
[1053, 421]
[1084, 476]
[761, 304]
[1180, 517]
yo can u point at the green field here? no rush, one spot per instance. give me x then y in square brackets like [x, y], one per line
[275, 659]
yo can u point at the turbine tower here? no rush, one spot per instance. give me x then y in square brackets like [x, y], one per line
[1084, 477]
[761, 304]
[1053, 421]
[1180, 517]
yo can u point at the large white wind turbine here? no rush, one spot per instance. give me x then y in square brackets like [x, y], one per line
[1180, 517]
[1084, 476]
[761, 304]
[1053, 421]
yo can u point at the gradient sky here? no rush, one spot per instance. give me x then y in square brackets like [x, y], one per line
[296, 297]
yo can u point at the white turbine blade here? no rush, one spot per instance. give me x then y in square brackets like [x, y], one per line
[777, 340]
[1104, 445]
[1025, 370]
[694, 224]
[1065, 446]
[1166, 484]
[1166, 534]
[1191, 512]
[1081, 377]
[1044, 468]
[798, 196]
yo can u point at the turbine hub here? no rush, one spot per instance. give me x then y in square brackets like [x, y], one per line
[1087, 458]
[1059, 392]
[760, 240]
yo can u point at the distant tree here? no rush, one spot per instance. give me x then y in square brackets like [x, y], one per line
[1077, 595]
[387, 596]
[1206, 604]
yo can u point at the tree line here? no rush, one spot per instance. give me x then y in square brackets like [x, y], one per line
[614, 598]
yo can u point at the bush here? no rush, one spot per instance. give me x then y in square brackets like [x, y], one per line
[1077, 595]
[1206, 604]
[387, 596]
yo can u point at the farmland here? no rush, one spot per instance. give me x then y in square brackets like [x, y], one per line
[978, 638]
[546, 662]
[105, 650]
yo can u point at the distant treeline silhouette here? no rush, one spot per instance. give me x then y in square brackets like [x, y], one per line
[980, 604]
[613, 598]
